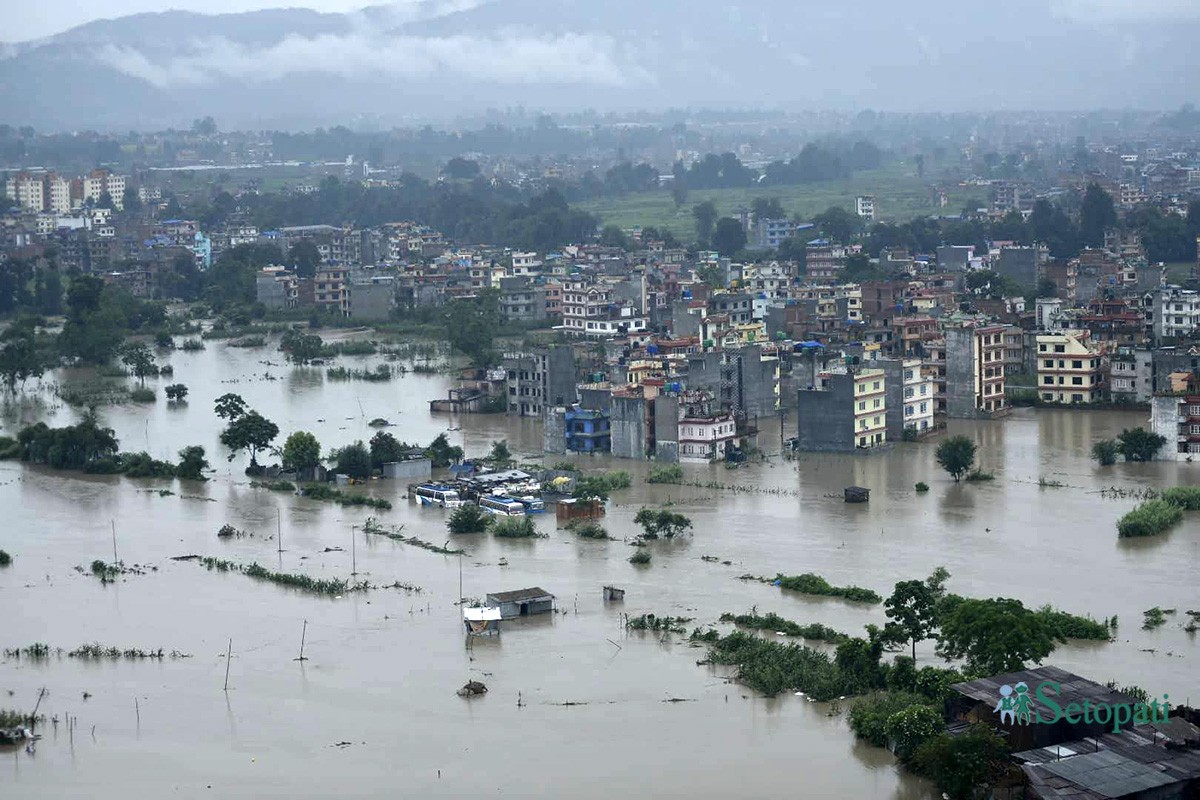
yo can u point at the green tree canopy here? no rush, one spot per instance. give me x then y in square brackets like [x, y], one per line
[956, 455]
[251, 432]
[912, 609]
[353, 460]
[1139, 444]
[140, 361]
[192, 464]
[301, 451]
[705, 215]
[471, 325]
[662, 522]
[994, 636]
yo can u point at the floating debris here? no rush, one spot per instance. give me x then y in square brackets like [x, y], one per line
[472, 689]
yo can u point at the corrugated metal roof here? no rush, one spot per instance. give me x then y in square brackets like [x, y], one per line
[1072, 687]
[520, 594]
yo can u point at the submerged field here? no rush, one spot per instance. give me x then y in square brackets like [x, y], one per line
[577, 703]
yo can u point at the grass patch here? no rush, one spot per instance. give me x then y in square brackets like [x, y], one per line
[373, 527]
[773, 667]
[1149, 519]
[978, 475]
[811, 583]
[380, 374]
[773, 622]
[142, 394]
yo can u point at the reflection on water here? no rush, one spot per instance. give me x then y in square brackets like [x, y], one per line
[576, 704]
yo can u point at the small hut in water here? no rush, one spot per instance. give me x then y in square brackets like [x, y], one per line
[521, 603]
[857, 494]
[482, 621]
[613, 595]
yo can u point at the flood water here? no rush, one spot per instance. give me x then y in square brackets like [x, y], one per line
[576, 706]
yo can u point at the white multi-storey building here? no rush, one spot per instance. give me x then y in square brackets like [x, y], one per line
[1175, 312]
[918, 396]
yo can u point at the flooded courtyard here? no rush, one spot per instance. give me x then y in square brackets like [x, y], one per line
[577, 706]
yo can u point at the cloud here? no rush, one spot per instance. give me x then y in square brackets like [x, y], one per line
[507, 58]
[1127, 10]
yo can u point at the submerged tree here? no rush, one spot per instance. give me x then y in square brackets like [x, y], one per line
[661, 522]
[1139, 444]
[251, 432]
[192, 464]
[956, 455]
[140, 361]
[301, 451]
[1106, 451]
[995, 636]
[912, 609]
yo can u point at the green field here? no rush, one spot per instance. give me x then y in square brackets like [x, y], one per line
[899, 196]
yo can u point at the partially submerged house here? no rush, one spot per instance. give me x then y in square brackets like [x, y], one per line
[1150, 762]
[521, 603]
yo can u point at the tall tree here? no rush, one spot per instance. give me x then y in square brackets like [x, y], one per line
[304, 258]
[140, 361]
[1139, 444]
[20, 359]
[251, 432]
[912, 608]
[1096, 215]
[728, 237]
[705, 215]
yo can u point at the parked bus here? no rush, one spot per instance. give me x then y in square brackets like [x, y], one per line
[434, 494]
[502, 506]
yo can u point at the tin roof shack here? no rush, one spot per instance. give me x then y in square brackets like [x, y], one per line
[976, 701]
[482, 621]
[521, 603]
[1149, 762]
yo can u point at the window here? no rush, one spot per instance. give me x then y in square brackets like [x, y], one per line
[1048, 380]
[862, 405]
[908, 374]
[877, 402]
[1048, 363]
[1060, 348]
[1048, 396]
[1076, 365]
[1077, 381]
[1076, 398]
[875, 386]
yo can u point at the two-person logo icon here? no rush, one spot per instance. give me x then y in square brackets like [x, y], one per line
[1015, 704]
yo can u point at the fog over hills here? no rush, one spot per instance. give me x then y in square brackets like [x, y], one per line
[432, 60]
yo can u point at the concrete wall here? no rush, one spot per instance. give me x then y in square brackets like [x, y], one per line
[595, 399]
[666, 428]
[419, 469]
[825, 418]
[560, 377]
[960, 373]
[1020, 264]
[372, 301]
[1164, 420]
[893, 384]
[627, 427]
[554, 431]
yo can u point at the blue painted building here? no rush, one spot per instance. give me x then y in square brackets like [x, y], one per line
[588, 430]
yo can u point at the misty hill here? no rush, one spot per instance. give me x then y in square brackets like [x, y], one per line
[438, 58]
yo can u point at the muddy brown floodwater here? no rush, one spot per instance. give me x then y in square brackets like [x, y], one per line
[384, 666]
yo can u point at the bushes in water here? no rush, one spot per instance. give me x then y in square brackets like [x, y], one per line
[274, 486]
[773, 667]
[1106, 451]
[516, 528]
[773, 622]
[922, 486]
[810, 583]
[191, 345]
[1070, 626]
[70, 447]
[141, 465]
[317, 491]
[1185, 497]
[641, 557]
[468, 519]
[661, 522]
[869, 715]
[587, 529]
[671, 473]
[5, 558]
[142, 394]
[1149, 518]
[650, 622]
[597, 487]
[380, 374]
[9, 448]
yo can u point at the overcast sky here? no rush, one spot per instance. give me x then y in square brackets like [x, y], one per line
[33, 19]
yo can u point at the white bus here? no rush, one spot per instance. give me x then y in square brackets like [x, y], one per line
[502, 506]
[433, 494]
